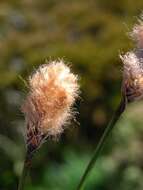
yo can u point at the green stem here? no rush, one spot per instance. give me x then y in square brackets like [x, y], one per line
[101, 143]
[24, 173]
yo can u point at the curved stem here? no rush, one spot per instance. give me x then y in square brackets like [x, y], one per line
[101, 143]
[24, 173]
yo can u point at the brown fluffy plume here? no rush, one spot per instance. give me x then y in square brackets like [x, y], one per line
[47, 108]
[133, 66]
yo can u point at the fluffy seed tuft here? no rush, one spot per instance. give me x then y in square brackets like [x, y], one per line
[132, 76]
[47, 108]
[133, 66]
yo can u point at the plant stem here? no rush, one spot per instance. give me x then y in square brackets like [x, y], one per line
[24, 173]
[101, 143]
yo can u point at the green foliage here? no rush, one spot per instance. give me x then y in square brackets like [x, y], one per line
[119, 168]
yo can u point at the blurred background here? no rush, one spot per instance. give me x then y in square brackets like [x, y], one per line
[89, 35]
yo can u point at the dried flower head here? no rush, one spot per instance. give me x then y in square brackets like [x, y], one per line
[47, 108]
[132, 76]
[133, 66]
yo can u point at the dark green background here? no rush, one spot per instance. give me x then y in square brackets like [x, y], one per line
[89, 35]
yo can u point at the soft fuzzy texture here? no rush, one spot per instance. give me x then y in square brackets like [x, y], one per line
[137, 34]
[132, 76]
[47, 108]
[133, 66]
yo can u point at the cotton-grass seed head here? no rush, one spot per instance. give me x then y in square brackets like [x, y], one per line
[48, 106]
[137, 34]
[132, 76]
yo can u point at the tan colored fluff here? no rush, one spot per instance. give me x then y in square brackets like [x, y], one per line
[132, 77]
[133, 66]
[47, 108]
